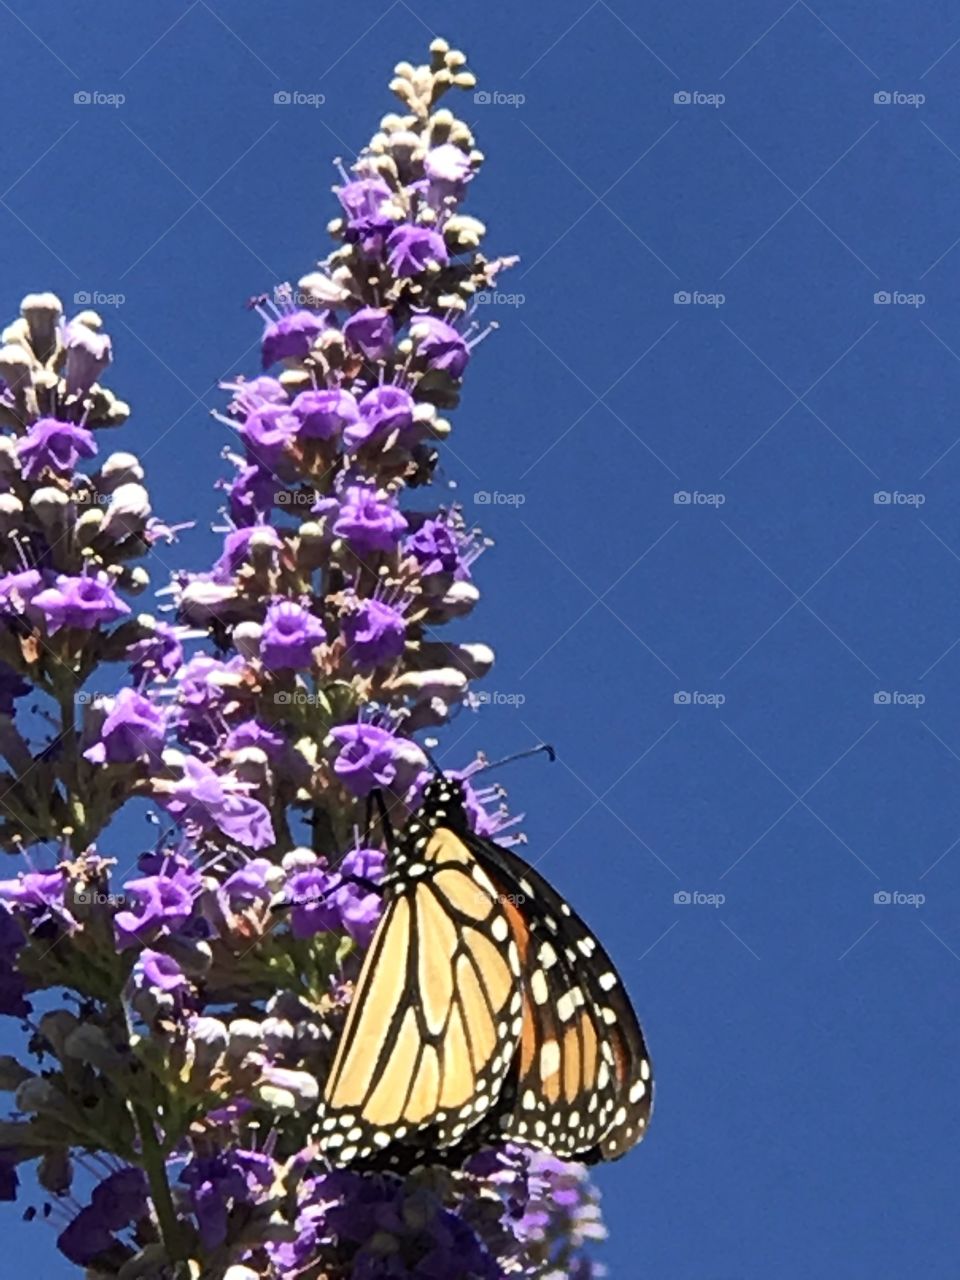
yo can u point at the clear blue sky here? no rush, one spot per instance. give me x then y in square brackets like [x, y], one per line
[805, 1037]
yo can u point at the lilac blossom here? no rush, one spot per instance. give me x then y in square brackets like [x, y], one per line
[55, 446]
[367, 757]
[324, 415]
[368, 522]
[81, 602]
[371, 332]
[134, 727]
[384, 411]
[290, 635]
[412, 249]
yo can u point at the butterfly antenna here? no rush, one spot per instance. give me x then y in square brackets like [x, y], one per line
[543, 749]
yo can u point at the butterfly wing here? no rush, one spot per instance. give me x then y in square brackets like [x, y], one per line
[437, 1012]
[582, 1084]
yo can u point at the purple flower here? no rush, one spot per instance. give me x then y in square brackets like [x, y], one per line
[325, 900]
[440, 345]
[370, 331]
[84, 603]
[121, 1198]
[368, 523]
[158, 655]
[437, 548]
[116, 1202]
[207, 799]
[237, 545]
[37, 894]
[291, 336]
[160, 903]
[322, 415]
[157, 972]
[383, 411]
[267, 432]
[85, 1238]
[290, 635]
[251, 494]
[411, 249]
[247, 887]
[58, 446]
[367, 757]
[18, 589]
[375, 633]
[218, 1183]
[363, 201]
[134, 727]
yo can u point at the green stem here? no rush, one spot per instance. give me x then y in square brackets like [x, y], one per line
[66, 699]
[155, 1166]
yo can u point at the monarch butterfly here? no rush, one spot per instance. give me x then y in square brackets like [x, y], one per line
[484, 1009]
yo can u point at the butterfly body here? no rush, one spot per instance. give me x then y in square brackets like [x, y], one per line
[485, 1011]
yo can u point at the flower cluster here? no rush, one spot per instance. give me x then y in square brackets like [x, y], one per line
[171, 1107]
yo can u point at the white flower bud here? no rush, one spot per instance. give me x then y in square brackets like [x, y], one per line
[128, 511]
[120, 468]
[443, 682]
[246, 636]
[15, 366]
[11, 511]
[42, 312]
[50, 505]
[322, 289]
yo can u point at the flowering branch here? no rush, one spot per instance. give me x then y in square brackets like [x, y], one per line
[289, 685]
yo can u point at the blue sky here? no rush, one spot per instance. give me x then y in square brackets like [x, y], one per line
[753, 692]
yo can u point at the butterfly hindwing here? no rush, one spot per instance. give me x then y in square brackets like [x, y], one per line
[583, 1076]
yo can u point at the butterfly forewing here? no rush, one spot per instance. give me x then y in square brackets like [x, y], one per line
[437, 1011]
